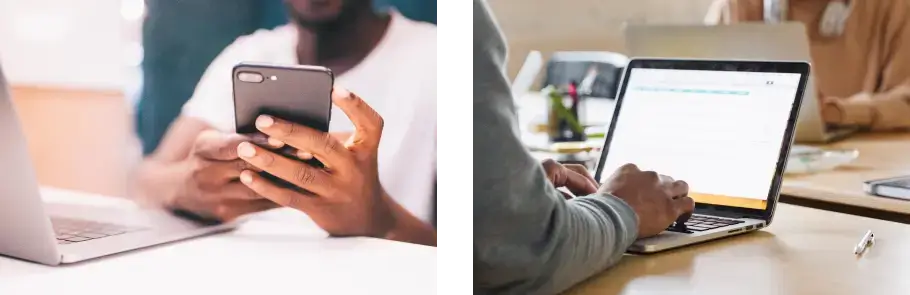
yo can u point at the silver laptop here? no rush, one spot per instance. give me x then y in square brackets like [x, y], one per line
[59, 234]
[724, 127]
[755, 41]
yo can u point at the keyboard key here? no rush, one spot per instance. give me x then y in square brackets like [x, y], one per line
[113, 232]
[699, 223]
[73, 230]
[92, 235]
[679, 230]
[78, 239]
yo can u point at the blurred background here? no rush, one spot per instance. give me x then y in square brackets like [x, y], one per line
[92, 77]
[582, 25]
[73, 65]
[87, 75]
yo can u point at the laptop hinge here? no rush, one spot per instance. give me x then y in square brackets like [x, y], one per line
[724, 213]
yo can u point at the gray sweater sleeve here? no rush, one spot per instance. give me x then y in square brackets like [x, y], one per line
[527, 238]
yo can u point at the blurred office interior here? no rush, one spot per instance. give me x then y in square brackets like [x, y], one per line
[76, 73]
[77, 78]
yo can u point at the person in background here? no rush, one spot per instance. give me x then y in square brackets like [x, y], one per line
[388, 59]
[860, 52]
[528, 237]
[179, 40]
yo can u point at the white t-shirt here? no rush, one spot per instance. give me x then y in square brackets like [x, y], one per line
[397, 79]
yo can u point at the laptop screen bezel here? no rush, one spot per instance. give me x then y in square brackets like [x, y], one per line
[795, 67]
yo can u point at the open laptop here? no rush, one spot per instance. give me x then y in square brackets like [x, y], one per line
[56, 234]
[724, 127]
[787, 41]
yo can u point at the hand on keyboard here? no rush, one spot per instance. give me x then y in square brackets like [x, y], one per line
[658, 200]
[698, 223]
[573, 177]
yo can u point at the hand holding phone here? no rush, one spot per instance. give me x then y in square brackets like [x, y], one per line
[296, 93]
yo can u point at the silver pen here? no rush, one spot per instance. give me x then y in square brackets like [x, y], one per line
[867, 241]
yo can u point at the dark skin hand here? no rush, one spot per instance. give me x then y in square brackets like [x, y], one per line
[573, 177]
[345, 198]
[211, 188]
[658, 200]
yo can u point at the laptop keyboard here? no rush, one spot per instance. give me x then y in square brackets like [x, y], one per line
[698, 223]
[70, 231]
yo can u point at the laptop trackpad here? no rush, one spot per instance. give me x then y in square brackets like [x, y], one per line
[156, 219]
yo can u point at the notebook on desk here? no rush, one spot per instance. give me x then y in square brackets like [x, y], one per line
[895, 187]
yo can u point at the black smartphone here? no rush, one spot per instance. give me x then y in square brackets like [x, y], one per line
[298, 93]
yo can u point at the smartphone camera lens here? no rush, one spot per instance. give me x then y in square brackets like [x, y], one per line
[250, 77]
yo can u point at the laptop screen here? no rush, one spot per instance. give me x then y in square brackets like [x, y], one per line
[720, 131]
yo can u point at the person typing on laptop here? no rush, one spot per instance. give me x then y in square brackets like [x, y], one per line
[528, 238]
[860, 52]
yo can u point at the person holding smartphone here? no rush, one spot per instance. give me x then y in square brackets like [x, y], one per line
[388, 59]
[345, 197]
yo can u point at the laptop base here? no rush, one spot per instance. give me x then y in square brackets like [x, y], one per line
[158, 227]
[671, 240]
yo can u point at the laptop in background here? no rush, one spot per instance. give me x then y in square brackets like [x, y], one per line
[724, 127]
[56, 234]
[740, 41]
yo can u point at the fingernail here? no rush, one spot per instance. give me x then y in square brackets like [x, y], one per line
[246, 150]
[275, 143]
[344, 93]
[264, 121]
[304, 155]
[246, 177]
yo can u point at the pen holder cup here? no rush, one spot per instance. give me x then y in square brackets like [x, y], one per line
[563, 120]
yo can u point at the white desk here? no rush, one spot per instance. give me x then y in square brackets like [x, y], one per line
[276, 252]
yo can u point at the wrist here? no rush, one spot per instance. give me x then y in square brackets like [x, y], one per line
[856, 110]
[387, 217]
[405, 227]
[832, 113]
[158, 184]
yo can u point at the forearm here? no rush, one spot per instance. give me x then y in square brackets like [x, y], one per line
[408, 228]
[527, 238]
[877, 111]
[552, 245]
[155, 183]
[888, 105]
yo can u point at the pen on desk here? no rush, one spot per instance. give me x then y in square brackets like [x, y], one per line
[864, 243]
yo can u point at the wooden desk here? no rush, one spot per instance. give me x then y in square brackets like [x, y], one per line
[880, 156]
[804, 251]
